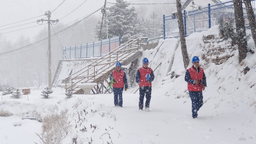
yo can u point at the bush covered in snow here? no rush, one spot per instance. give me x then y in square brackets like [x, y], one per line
[55, 127]
[5, 113]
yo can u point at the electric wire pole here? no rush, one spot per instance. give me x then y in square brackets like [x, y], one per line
[103, 11]
[49, 21]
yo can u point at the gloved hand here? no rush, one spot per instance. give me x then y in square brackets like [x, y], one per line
[125, 89]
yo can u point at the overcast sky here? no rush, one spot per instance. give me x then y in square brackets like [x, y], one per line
[17, 10]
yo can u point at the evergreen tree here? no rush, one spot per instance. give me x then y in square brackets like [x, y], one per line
[151, 28]
[121, 21]
[226, 29]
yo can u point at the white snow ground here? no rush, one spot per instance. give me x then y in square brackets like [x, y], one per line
[228, 115]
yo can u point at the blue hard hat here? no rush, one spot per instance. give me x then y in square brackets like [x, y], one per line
[195, 59]
[118, 64]
[145, 60]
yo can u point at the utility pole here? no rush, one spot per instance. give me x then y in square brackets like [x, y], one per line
[106, 23]
[103, 11]
[49, 21]
[193, 5]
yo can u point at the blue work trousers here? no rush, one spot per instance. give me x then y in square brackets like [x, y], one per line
[118, 96]
[197, 101]
[146, 90]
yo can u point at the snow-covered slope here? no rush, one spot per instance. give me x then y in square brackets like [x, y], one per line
[228, 115]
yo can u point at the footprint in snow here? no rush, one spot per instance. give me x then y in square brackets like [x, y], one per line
[242, 139]
[17, 124]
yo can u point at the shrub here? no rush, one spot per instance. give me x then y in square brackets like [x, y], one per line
[5, 113]
[55, 127]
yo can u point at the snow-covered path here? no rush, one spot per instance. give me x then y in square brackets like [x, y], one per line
[170, 121]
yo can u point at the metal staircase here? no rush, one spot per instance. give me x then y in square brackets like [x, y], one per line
[99, 71]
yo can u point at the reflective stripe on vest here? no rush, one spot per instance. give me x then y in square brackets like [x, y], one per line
[195, 76]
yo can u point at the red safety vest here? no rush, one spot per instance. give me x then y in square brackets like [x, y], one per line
[143, 73]
[118, 78]
[195, 76]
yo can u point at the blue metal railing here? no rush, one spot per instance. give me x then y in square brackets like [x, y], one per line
[94, 49]
[198, 20]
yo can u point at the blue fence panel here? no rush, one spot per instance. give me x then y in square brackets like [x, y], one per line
[88, 50]
[83, 51]
[200, 20]
[97, 47]
[73, 52]
[78, 51]
[197, 21]
[67, 52]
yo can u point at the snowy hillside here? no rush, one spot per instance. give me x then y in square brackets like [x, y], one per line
[228, 115]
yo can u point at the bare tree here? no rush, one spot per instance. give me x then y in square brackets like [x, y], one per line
[240, 30]
[182, 35]
[251, 18]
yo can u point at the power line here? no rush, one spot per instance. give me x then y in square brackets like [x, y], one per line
[49, 22]
[35, 26]
[27, 49]
[55, 33]
[21, 21]
[20, 29]
[22, 47]
[17, 25]
[144, 3]
[35, 36]
[103, 14]
[74, 9]
[43, 15]
[80, 20]
[56, 36]
[58, 6]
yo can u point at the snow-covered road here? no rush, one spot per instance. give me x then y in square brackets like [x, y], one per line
[168, 121]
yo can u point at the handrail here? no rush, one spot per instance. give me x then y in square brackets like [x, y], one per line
[94, 73]
[102, 59]
[119, 53]
[121, 47]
